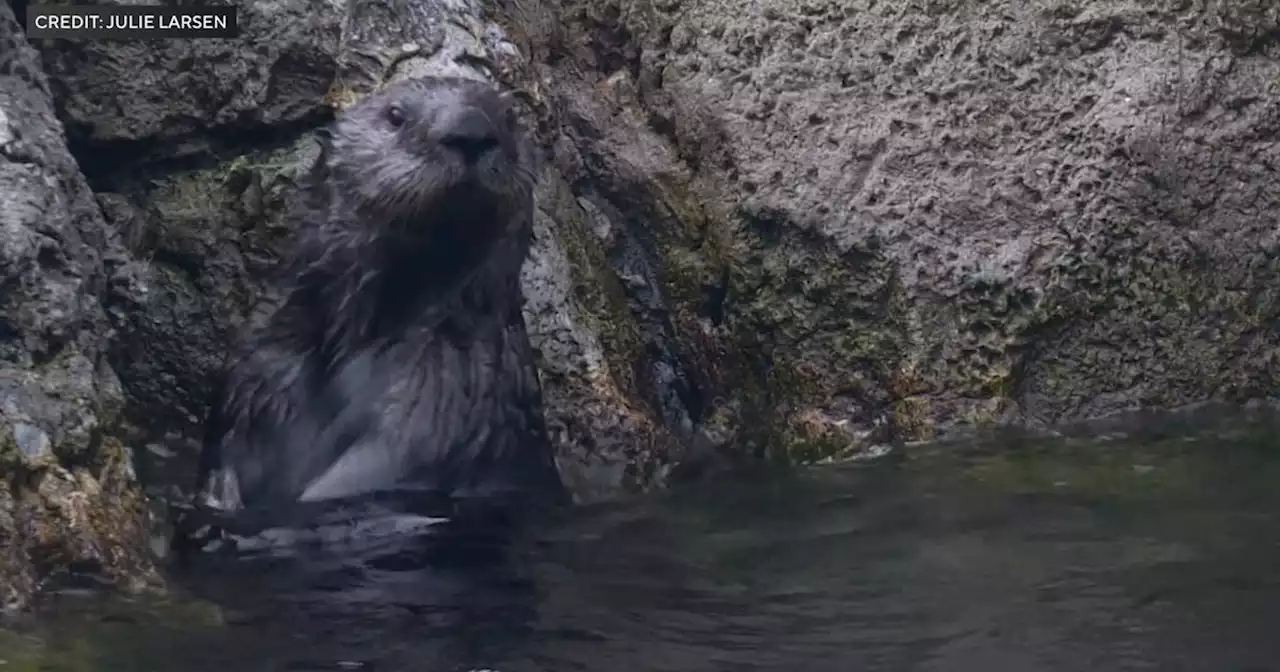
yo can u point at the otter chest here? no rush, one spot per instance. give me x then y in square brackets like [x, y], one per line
[425, 408]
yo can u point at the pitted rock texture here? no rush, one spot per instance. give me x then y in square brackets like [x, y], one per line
[170, 92]
[68, 496]
[937, 214]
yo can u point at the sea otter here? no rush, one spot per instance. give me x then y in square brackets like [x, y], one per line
[397, 364]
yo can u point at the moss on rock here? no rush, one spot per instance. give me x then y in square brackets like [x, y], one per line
[85, 518]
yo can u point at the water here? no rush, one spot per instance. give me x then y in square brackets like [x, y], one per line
[1155, 551]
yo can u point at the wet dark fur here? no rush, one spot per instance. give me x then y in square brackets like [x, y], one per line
[400, 336]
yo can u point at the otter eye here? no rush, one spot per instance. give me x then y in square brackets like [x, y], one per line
[395, 116]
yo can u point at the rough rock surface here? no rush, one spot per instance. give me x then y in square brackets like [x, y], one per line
[171, 97]
[900, 217]
[68, 496]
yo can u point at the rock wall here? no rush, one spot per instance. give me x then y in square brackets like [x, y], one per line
[68, 498]
[796, 229]
[890, 219]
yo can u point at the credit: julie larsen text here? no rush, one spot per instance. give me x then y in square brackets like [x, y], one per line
[131, 22]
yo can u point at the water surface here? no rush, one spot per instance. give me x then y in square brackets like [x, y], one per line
[1155, 550]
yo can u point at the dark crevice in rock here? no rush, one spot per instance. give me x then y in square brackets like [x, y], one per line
[1252, 43]
[8, 332]
[717, 296]
[87, 457]
[186, 264]
[43, 356]
[612, 43]
[667, 375]
[108, 165]
[20, 13]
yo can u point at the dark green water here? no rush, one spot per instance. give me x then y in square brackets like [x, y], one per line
[1159, 550]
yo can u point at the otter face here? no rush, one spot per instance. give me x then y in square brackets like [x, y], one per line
[433, 152]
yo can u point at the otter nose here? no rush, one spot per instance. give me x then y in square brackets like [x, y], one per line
[468, 132]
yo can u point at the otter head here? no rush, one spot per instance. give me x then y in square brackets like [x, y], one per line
[434, 156]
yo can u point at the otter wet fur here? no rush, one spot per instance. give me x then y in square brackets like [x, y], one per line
[398, 360]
